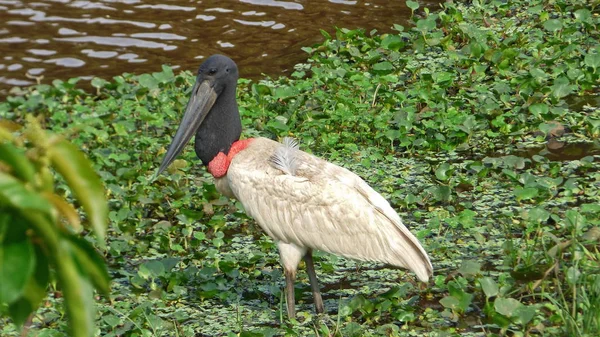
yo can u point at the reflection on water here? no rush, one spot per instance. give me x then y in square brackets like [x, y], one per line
[48, 39]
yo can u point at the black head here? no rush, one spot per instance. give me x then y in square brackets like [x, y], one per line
[219, 70]
[212, 113]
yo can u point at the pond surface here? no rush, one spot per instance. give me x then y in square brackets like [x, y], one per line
[48, 39]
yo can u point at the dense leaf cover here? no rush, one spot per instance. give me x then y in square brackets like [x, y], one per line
[480, 124]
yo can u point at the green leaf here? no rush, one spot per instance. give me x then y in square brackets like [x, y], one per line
[20, 166]
[469, 267]
[148, 81]
[384, 66]
[166, 75]
[34, 291]
[151, 269]
[583, 15]
[525, 193]
[98, 82]
[464, 298]
[91, 262]
[489, 286]
[285, 92]
[450, 302]
[562, 87]
[538, 109]
[392, 42]
[14, 193]
[413, 5]
[574, 219]
[552, 25]
[506, 306]
[524, 314]
[442, 77]
[442, 172]
[17, 263]
[592, 60]
[573, 275]
[538, 215]
[50, 333]
[78, 291]
[590, 208]
[72, 165]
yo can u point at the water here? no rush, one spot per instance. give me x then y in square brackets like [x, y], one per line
[49, 39]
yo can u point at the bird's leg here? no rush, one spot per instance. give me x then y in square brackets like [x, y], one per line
[290, 258]
[314, 284]
[290, 278]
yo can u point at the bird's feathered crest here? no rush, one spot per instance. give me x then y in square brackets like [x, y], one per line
[285, 157]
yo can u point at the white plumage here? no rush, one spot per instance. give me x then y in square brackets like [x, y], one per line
[320, 206]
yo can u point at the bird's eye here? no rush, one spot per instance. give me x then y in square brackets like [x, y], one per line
[212, 71]
[226, 69]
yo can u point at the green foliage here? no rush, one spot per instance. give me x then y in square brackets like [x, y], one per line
[38, 226]
[479, 123]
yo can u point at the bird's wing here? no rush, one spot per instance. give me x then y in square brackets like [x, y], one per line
[322, 206]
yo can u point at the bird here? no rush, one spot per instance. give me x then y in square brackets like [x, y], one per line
[301, 201]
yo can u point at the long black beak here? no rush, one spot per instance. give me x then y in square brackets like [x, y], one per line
[202, 100]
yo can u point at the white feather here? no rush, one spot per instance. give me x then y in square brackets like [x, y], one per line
[285, 157]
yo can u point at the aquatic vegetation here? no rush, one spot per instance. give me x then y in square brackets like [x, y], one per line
[480, 124]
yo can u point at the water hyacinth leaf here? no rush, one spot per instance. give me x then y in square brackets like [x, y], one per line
[443, 172]
[441, 192]
[573, 275]
[165, 76]
[524, 314]
[413, 5]
[442, 77]
[506, 306]
[50, 333]
[19, 165]
[151, 269]
[574, 219]
[17, 263]
[464, 298]
[590, 208]
[469, 267]
[562, 87]
[525, 193]
[353, 329]
[72, 165]
[384, 67]
[552, 25]
[538, 109]
[450, 302]
[538, 215]
[392, 42]
[148, 81]
[98, 83]
[583, 15]
[426, 25]
[489, 286]
[285, 92]
[592, 60]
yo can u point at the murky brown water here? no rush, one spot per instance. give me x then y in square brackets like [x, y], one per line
[51, 39]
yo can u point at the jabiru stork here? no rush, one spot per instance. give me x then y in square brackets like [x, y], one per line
[301, 201]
